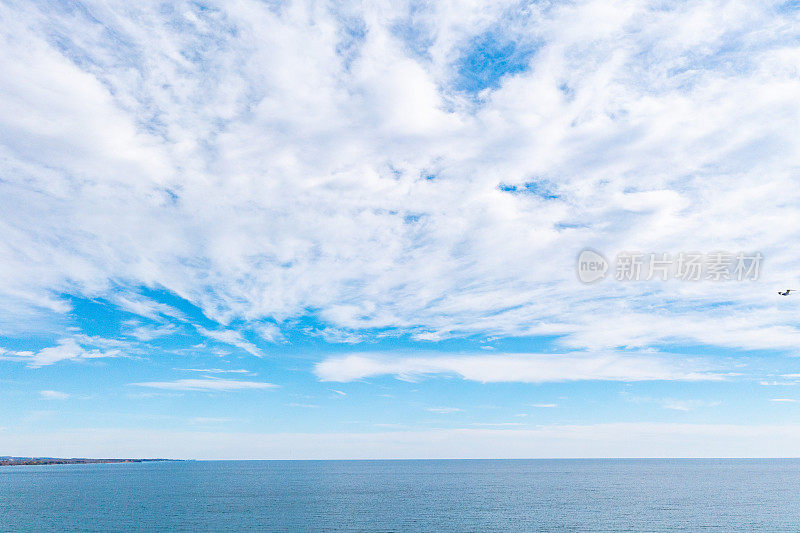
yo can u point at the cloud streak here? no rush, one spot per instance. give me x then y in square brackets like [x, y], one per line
[206, 384]
[53, 395]
[233, 338]
[525, 368]
[67, 349]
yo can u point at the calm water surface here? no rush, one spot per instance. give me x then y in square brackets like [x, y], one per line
[525, 495]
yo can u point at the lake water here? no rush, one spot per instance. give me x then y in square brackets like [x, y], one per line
[495, 495]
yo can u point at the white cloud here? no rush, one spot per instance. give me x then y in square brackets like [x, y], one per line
[685, 405]
[337, 335]
[146, 307]
[269, 332]
[783, 400]
[234, 338]
[443, 410]
[67, 349]
[544, 405]
[148, 333]
[527, 368]
[53, 395]
[286, 170]
[216, 370]
[206, 384]
[674, 404]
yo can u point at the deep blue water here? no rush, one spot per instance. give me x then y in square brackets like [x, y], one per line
[520, 495]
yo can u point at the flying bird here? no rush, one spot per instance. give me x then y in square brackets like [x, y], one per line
[786, 292]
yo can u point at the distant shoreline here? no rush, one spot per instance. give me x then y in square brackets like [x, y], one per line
[32, 461]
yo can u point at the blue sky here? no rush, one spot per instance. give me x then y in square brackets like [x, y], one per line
[330, 230]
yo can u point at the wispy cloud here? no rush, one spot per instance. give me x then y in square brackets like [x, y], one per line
[53, 395]
[674, 404]
[206, 384]
[67, 349]
[443, 410]
[685, 405]
[216, 370]
[234, 338]
[529, 368]
[336, 335]
[146, 307]
[269, 332]
[360, 203]
[148, 333]
[783, 400]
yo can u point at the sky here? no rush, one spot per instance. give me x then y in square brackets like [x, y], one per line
[297, 229]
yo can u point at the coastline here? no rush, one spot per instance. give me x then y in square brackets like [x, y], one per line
[32, 461]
